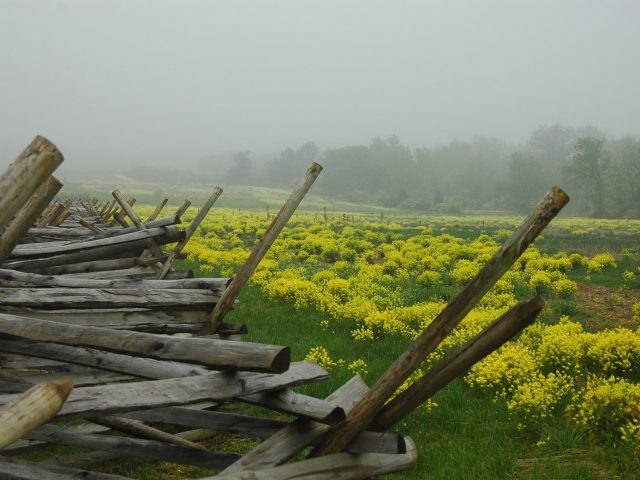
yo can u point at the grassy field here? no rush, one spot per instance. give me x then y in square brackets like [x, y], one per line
[470, 433]
[359, 286]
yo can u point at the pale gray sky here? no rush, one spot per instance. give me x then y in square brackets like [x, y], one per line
[119, 81]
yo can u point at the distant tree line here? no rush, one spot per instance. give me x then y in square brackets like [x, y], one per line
[602, 175]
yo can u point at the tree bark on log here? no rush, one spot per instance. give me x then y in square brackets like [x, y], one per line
[40, 250]
[57, 298]
[219, 354]
[25, 175]
[97, 266]
[28, 214]
[124, 397]
[98, 253]
[216, 285]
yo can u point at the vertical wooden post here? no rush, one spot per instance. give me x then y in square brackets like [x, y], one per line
[365, 411]
[27, 215]
[191, 229]
[261, 248]
[25, 175]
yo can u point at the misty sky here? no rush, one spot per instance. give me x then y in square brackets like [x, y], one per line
[170, 82]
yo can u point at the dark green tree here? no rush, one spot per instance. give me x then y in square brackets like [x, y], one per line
[586, 171]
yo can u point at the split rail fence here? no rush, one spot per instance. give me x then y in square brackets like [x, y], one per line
[96, 324]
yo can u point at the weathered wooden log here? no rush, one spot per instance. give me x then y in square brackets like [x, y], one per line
[57, 297]
[25, 175]
[179, 391]
[25, 217]
[339, 466]
[366, 410]
[135, 447]
[17, 469]
[108, 251]
[62, 216]
[292, 439]
[29, 250]
[161, 222]
[54, 213]
[257, 427]
[114, 362]
[35, 407]
[493, 336]
[218, 354]
[141, 430]
[144, 319]
[84, 378]
[47, 211]
[219, 421]
[97, 266]
[297, 404]
[157, 210]
[131, 202]
[260, 249]
[95, 229]
[216, 285]
[109, 211]
[135, 273]
[191, 229]
[84, 459]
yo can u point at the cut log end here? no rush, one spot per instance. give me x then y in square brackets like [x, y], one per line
[281, 361]
[63, 387]
[560, 198]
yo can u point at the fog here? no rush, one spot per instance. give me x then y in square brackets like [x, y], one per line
[171, 82]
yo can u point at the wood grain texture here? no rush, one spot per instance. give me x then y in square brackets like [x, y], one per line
[220, 354]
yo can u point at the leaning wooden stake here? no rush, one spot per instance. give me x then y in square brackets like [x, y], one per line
[25, 175]
[183, 208]
[33, 408]
[136, 221]
[92, 227]
[193, 226]
[259, 251]
[366, 410]
[27, 215]
[157, 211]
[140, 429]
[493, 336]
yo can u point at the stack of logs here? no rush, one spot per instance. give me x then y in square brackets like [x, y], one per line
[96, 324]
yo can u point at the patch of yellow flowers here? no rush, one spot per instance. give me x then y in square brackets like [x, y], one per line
[393, 279]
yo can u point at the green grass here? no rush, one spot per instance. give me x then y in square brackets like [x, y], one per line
[468, 436]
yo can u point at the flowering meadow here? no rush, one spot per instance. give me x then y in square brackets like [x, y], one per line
[385, 278]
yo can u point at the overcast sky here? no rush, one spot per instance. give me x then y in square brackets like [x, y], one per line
[170, 82]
